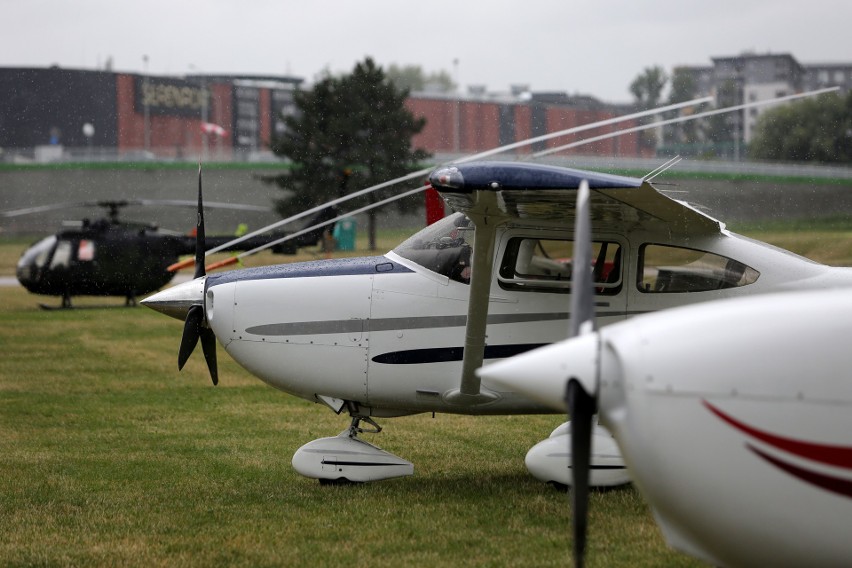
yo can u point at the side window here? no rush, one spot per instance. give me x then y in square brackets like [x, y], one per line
[86, 250]
[664, 268]
[62, 255]
[544, 265]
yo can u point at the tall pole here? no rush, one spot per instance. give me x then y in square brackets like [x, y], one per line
[204, 112]
[147, 118]
[456, 110]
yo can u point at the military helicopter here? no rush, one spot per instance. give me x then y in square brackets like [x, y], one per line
[110, 257]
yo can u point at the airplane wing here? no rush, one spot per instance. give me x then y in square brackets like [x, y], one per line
[548, 193]
[495, 193]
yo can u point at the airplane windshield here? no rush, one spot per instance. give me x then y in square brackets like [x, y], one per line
[443, 247]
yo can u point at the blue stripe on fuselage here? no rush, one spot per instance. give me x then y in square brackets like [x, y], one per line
[311, 269]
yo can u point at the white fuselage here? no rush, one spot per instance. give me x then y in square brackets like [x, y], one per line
[387, 333]
[733, 417]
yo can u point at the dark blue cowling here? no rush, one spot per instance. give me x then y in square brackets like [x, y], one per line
[310, 269]
[521, 175]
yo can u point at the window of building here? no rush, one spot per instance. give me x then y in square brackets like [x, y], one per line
[669, 269]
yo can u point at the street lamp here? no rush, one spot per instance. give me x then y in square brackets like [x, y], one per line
[89, 132]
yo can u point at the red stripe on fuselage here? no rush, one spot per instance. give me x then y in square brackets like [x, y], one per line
[827, 482]
[840, 456]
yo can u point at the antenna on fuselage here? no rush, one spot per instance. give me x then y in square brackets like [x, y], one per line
[660, 169]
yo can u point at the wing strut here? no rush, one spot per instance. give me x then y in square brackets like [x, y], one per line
[486, 217]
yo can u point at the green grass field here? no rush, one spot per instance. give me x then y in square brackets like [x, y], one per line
[110, 457]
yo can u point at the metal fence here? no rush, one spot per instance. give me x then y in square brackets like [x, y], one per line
[71, 155]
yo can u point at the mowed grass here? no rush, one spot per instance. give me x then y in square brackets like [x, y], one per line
[109, 456]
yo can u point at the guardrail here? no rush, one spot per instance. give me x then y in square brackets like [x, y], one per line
[44, 155]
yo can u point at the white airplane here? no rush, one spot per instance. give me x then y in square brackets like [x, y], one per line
[404, 332]
[734, 418]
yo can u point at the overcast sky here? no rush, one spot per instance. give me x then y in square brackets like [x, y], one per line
[577, 46]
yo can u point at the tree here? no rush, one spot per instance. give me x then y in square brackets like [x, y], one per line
[726, 130]
[817, 129]
[682, 89]
[412, 78]
[348, 130]
[647, 87]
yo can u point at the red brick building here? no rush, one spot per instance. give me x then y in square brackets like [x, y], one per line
[235, 117]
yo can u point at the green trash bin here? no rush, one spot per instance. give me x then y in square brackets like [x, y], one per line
[344, 233]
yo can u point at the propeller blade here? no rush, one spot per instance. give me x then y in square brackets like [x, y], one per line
[583, 288]
[581, 405]
[581, 408]
[191, 333]
[208, 345]
[193, 327]
[200, 245]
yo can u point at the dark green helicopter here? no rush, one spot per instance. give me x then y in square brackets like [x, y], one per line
[109, 257]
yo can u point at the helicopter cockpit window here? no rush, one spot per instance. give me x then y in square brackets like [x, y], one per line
[676, 269]
[62, 255]
[443, 247]
[38, 254]
[544, 265]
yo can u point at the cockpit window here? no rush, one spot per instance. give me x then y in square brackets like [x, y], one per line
[664, 268]
[443, 247]
[544, 265]
[37, 254]
[62, 255]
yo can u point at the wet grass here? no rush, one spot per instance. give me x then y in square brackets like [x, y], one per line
[109, 457]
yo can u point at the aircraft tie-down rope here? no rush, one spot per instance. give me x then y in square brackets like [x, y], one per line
[685, 119]
[425, 171]
[498, 150]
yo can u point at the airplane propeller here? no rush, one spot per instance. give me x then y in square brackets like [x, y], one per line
[194, 327]
[581, 404]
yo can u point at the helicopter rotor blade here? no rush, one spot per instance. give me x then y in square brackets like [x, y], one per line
[45, 208]
[116, 205]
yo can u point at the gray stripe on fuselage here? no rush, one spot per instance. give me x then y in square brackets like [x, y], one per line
[391, 324]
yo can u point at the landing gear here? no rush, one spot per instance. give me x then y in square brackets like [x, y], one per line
[347, 458]
[355, 428]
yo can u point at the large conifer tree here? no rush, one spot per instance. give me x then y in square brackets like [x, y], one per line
[349, 132]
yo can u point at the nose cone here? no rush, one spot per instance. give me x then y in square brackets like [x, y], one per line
[176, 301]
[542, 374]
